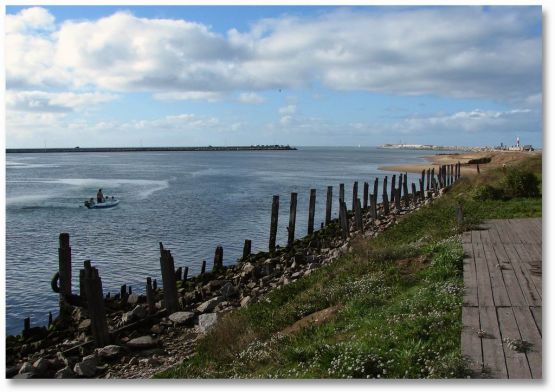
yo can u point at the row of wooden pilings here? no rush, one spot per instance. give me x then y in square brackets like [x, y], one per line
[90, 284]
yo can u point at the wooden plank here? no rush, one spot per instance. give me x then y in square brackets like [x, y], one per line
[533, 266]
[470, 296]
[499, 291]
[492, 347]
[485, 295]
[523, 275]
[494, 234]
[530, 334]
[522, 228]
[514, 290]
[537, 313]
[511, 231]
[517, 362]
[466, 237]
[471, 345]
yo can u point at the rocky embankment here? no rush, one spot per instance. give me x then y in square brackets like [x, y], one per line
[145, 343]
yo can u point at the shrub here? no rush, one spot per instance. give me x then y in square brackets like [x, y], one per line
[486, 192]
[520, 183]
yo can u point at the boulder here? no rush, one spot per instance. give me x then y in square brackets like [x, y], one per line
[26, 367]
[137, 313]
[207, 321]
[209, 305]
[41, 365]
[65, 373]
[87, 367]
[246, 301]
[181, 318]
[142, 342]
[84, 325]
[228, 290]
[110, 352]
[133, 299]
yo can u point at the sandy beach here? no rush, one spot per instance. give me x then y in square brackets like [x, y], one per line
[498, 158]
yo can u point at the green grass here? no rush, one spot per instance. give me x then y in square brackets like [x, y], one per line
[399, 297]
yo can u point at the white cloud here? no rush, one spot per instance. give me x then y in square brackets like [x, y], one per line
[210, 96]
[251, 98]
[29, 19]
[447, 51]
[41, 101]
[289, 109]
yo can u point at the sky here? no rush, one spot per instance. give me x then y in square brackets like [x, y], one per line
[95, 76]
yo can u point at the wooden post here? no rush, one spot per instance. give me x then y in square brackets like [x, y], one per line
[393, 187]
[400, 184]
[203, 267]
[50, 319]
[365, 196]
[406, 190]
[428, 179]
[329, 201]
[385, 198]
[246, 249]
[373, 206]
[168, 281]
[343, 220]
[341, 192]
[274, 223]
[421, 183]
[95, 305]
[398, 199]
[292, 219]
[375, 193]
[432, 178]
[355, 195]
[185, 273]
[150, 296]
[177, 274]
[122, 294]
[26, 325]
[478, 168]
[358, 216]
[452, 173]
[218, 258]
[64, 269]
[154, 284]
[414, 196]
[311, 209]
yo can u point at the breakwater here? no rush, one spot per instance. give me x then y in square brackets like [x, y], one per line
[275, 147]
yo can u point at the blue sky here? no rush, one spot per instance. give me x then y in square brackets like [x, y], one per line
[184, 75]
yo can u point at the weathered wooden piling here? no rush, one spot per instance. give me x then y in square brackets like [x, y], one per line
[50, 319]
[414, 194]
[178, 273]
[247, 249]
[375, 192]
[292, 219]
[478, 168]
[355, 195]
[122, 293]
[329, 201]
[344, 220]
[95, 305]
[365, 196]
[218, 258]
[385, 198]
[150, 296]
[168, 281]
[400, 184]
[406, 190]
[341, 193]
[398, 199]
[26, 326]
[373, 206]
[203, 267]
[428, 175]
[358, 216]
[393, 187]
[311, 210]
[274, 223]
[64, 270]
[185, 273]
[421, 183]
[154, 284]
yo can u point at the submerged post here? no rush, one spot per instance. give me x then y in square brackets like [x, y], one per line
[247, 249]
[64, 270]
[329, 200]
[341, 193]
[150, 296]
[393, 177]
[292, 219]
[167, 267]
[274, 223]
[311, 209]
[203, 267]
[218, 258]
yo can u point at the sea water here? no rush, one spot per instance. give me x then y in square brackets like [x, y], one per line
[190, 201]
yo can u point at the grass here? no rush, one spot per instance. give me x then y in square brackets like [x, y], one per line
[399, 297]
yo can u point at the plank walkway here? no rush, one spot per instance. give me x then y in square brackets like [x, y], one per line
[503, 299]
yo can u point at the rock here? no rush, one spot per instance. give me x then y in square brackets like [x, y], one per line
[26, 367]
[65, 373]
[134, 361]
[296, 275]
[24, 375]
[247, 269]
[246, 301]
[87, 367]
[12, 371]
[110, 352]
[142, 342]
[228, 290]
[133, 299]
[41, 365]
[157, 329]
[137, 313]
[149, 362]
[180, 318]
[207, 321]
[84, 325]
[209, 305]
[312, 266]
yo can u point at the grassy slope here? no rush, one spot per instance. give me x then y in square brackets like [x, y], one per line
[399, 296]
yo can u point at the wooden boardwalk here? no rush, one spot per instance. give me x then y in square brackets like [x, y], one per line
[502, 309]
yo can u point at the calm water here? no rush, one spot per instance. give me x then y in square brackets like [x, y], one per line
[191, 201]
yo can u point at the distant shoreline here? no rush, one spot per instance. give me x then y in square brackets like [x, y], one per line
[149, 149]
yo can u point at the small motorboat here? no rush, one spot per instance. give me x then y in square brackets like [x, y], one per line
[107, 203]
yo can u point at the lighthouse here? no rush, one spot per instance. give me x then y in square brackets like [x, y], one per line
[517, 141]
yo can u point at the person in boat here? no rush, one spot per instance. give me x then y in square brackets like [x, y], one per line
[100, 196]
